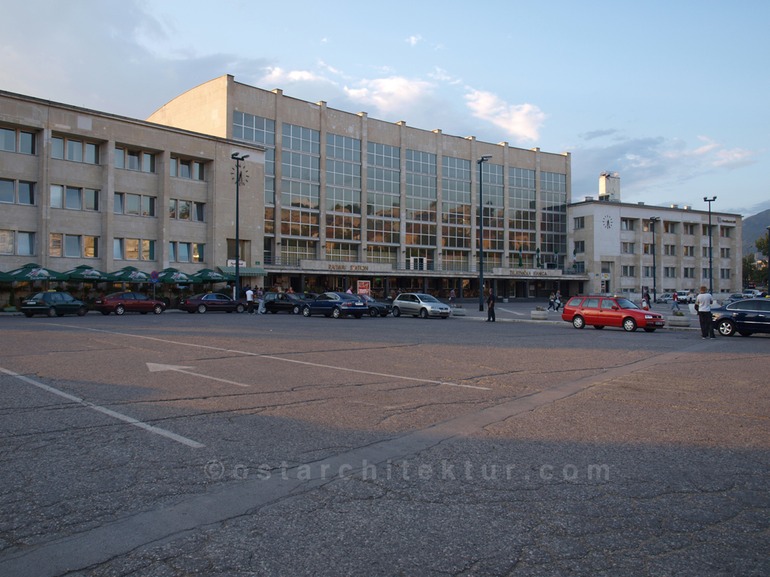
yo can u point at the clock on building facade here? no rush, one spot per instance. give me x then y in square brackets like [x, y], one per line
[607, 221]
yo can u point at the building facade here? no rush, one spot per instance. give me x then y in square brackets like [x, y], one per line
[632, 248]
[348, 197]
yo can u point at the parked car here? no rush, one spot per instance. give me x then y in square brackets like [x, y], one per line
[686, 296]
[333, 304]
[665, 298]
[128, 302]
[376, 308]
[419, 304]
[283, 302]
[203, 302]
[604, 311]
[53, 304]
[746, 317]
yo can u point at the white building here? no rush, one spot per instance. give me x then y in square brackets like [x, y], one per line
[631, 248]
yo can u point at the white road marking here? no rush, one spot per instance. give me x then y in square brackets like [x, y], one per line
[285, 360]
[155, 367]
[106, 411]
[510, 311]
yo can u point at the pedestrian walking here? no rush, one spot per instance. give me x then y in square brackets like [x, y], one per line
[675, 302]
[557, 301]
[491, 307]
[703, 304]
[249, 300]
[551, 301]
[452, 298]
[260, 301]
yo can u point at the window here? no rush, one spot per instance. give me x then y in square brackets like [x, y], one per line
[725, 231]
[648, 248]
[724, 252]
[688, 251]
[199, 213]
[579, 222]
[580, 246]
[74, 150]
[669, 272]
[627, 224]
[134, 204]
[17, 192]
[25, 243]
[688, 272]
[6, 241]
[185, 252]
[12, 140]
[133, 249]
[55, 242]
[670, 227]
[628, 270]
[186, 168]
[72, 198]
[134, 159]
[669, 249]
[724, 273]
[72, 245]
[688, 228]
[627, 247]
[117, 248]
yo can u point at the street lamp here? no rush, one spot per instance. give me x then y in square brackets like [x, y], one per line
[653, 220]
[481, 161]
[711, 273]
[238, 178]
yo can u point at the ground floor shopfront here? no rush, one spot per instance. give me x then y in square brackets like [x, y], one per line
[322, 276]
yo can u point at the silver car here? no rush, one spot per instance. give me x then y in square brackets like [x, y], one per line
[419, 305]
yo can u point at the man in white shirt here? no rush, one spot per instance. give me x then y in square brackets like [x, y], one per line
[703, 303]
[250, 300]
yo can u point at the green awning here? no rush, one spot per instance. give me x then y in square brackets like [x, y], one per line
[244, 270]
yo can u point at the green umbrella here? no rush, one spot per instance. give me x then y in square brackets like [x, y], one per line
[174, 276]
[32, 272]
[129, 274]
[5, 277]
[87, 273]
[209, 275]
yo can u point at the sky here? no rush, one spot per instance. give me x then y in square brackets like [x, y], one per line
[673, 95]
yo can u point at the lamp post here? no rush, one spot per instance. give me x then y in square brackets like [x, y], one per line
[481, 161]
[653, 220]
[711, 273]
[768, 259]
[238, 177]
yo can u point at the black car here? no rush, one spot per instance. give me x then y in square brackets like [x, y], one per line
[211, 302]
[745, 317]
[335, 305]
[53, 304]
[376, 308]
[283, 302]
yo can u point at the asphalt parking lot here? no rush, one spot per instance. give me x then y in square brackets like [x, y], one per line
[272, 445]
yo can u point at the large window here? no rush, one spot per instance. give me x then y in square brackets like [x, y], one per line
[73, 245]
[74, 198]
[74, 150]
[261, 130]
[17, 191]
[187, 168]
[133, 249]
[17, 242]
[134, 204]
[14, 140]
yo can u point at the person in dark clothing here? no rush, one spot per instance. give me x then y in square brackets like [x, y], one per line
[491, 307]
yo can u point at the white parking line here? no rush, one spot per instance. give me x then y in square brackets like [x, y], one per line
[285, 360]
[106, 411]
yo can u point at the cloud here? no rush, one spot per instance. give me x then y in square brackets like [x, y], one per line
[414, 40]
[391, 95]
[520, 121]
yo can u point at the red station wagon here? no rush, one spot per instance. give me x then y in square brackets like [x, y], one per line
[605, 311]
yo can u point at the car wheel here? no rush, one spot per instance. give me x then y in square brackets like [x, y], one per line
[373, 313]
[306, 311]
[201, 309]
[157, 309]
[336, 313]
[82, 311]
[578, 322]
[629, 325]
[52, 312]
[396, 312]
[295, 310]
[240, 308]
[726, 328]
[423, 313]
[120, 310]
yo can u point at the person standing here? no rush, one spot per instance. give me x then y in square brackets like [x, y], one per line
[249, 300]
[260, 301]
[491, 307]
[703, 304]
[674, 302]
[452, 298]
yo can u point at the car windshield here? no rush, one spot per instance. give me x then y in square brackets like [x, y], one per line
[428, 298]
[626, 304]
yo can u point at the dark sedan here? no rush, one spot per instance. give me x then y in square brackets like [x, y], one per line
[283, 302]
[376, 308]
[335, 305]
[53, 304]
[202, 303]
[745, 317]
[128, 302]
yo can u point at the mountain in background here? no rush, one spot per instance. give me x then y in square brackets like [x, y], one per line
[754, 227]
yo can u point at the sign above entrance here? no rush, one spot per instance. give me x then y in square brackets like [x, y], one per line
[344, 267]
